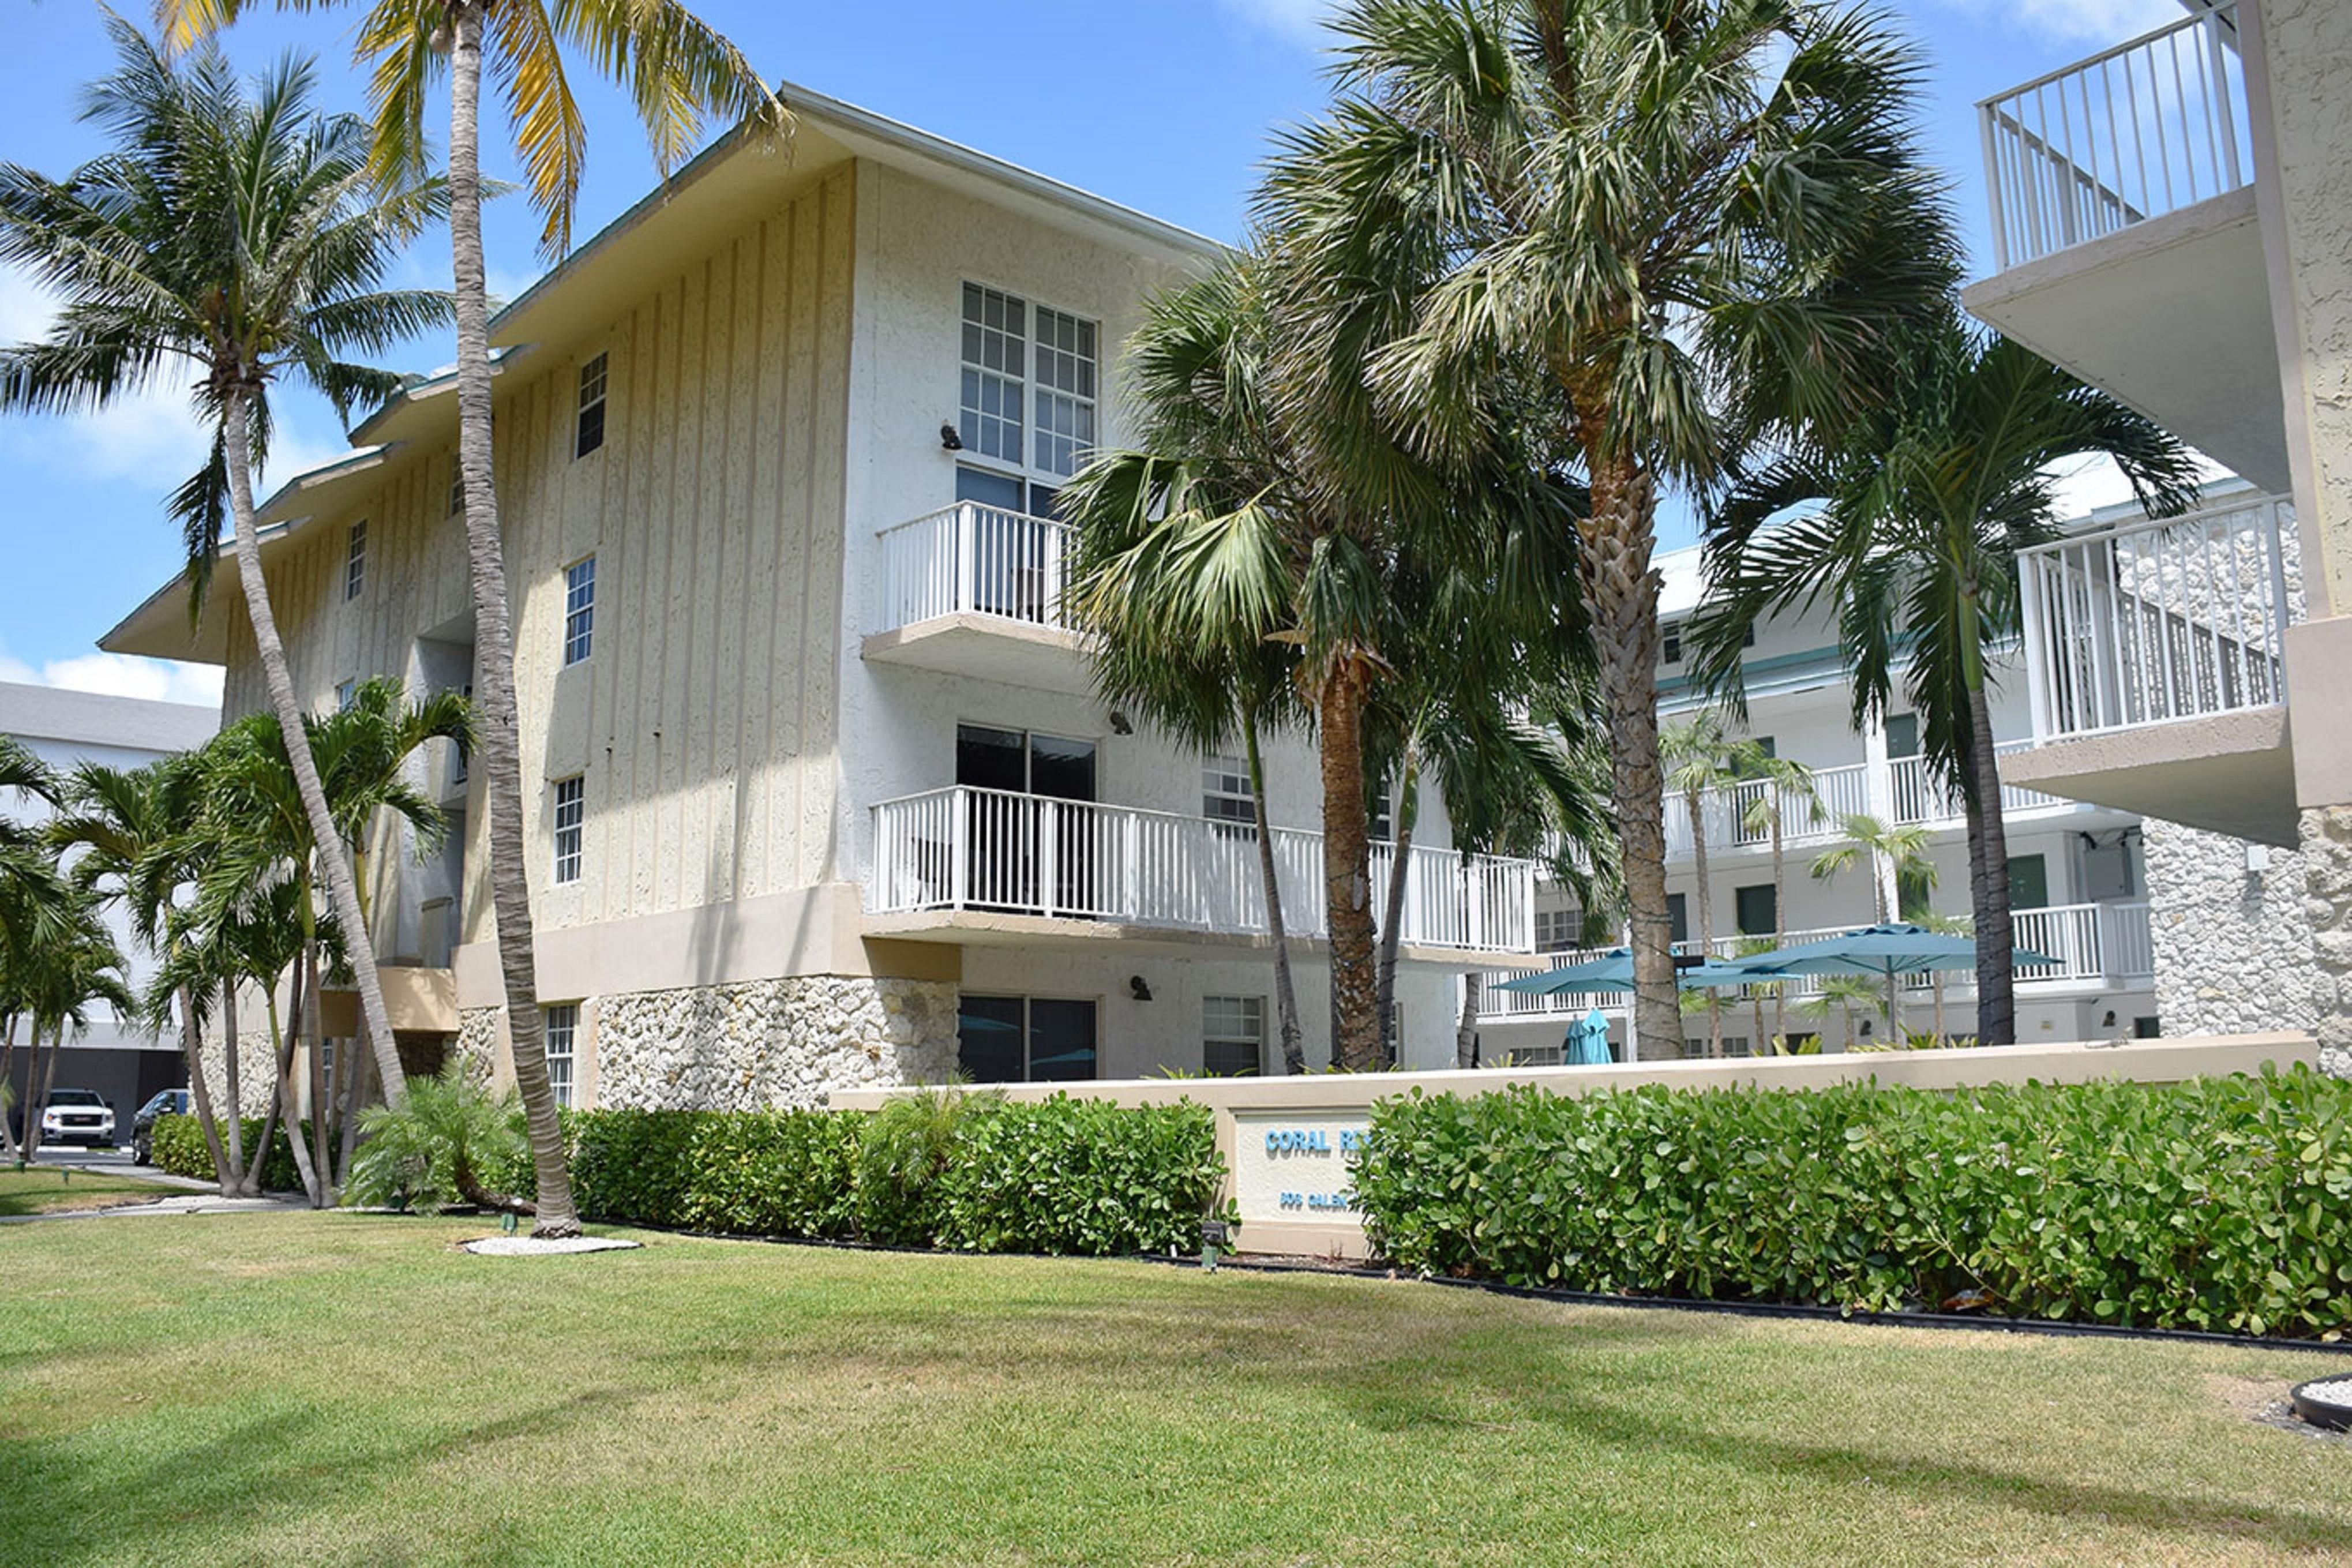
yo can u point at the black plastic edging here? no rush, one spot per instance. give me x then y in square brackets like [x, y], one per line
[2054, 1328]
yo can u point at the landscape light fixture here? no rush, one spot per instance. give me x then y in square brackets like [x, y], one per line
[950, 440]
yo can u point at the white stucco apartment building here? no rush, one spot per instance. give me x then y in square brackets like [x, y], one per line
[819, 793]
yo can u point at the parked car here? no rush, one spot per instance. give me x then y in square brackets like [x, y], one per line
[77, 1116]
[168, 1102]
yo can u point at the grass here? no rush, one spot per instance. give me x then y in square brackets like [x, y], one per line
[348, 1389]
[40, 1190]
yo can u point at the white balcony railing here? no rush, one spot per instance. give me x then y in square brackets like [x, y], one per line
[2147, 128]
[2153, 621]
[2107, 944]
[1909, 794]
[990, 850]
[972, 559]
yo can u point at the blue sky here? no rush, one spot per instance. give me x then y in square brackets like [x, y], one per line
[1161, 104]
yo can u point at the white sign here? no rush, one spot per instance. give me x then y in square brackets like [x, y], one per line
[1296, 1165]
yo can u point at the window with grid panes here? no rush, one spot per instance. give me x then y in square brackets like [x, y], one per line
[588, 432]
[457, 489]
[1066, 392]
[995, 371]
[1233, 1035]
[355, 561]
[570, 820]
[1557, 930]
[1226, 792]
[579, 609]
[563, 1038]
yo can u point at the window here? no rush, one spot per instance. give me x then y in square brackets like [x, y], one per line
[1757, 909]
[456, 489]
[1738, 1046]
[1903, 734]
[571, 816]
[1232, 1036]
[1225, 794]
[1379, 825]
[1557, 930]
[2029, 882]
[1747, 634]
[355, 562]
[346, 694]
[1670, 645]
[578, 610]
[1678, 916]
[1016, 1039]
[1028, 403]
[563, 1032]
[588, 434]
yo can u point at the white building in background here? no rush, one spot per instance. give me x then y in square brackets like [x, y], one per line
[64, 729]
[817, 790]
[2150, 925]
[2172, 221]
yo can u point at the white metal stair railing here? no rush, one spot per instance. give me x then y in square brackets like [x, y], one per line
[2148, 127]
[2173, 618]
[2091, 943]
[1912, 788]
[974, 559]
[993, 850]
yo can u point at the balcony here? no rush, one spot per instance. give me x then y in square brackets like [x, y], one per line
[976, 865]
[976, 590]
[1908, 793]
[2155, 669]
[2097, 947]
[2124, 241]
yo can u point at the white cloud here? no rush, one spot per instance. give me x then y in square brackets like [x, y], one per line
[2100, 22]
[120, 675]
[1298, 20]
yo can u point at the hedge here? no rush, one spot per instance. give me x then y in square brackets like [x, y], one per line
[1059, 1175]
[2217, 1204]
[178, 1147]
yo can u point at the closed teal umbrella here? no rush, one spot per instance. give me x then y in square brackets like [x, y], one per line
[1588, 1042]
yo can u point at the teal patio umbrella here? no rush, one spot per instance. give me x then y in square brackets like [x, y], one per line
[1884, 950]
[1613, 971]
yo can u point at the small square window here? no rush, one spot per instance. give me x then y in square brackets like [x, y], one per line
[1232, 1036]
[1225, 795]
[563, 1035]
[589, 433]
[578, 610]
[570, 819]
[346, 694]
[355, 561]
[456, 489]
[1670, 645]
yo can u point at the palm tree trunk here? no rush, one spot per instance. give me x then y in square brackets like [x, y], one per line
[1465, 1033]
[45, 1080]
[342, 893]
[1705, 913]
[297, 1136]
[500, 745]
[233, 1081]
[257, 1171]
[1988, 882]
[192, 1046]
[1347, 873]
[1408, 810]
[323, 1090]
[1780, 916]
[1621, 597]
[355, 1094]
[7, 1060]
[1285, 994]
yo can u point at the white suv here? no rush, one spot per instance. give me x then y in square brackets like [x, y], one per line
[77, 1116]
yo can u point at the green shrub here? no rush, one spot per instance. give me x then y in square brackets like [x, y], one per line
[453, 1142]
[2219, 1204]
[178, 1146]
[968, 1171]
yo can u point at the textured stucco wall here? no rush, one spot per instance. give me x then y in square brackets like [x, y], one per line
[2327, 870]
[2233, 949]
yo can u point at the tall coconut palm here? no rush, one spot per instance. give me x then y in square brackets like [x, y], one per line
[1901, 874]
[238, 238]
[1909, 526]
[1677, 227]
[676, 70]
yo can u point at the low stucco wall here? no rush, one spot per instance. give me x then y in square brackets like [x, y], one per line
[1286, 1140]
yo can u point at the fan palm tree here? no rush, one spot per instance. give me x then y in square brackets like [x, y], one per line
[1676, 228]
[1909, 526]
[240, 236]
[1788, 786]
[1901, 874]
[676, 70]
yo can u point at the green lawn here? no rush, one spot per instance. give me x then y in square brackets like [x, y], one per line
[348, 1389]
[44, 1190]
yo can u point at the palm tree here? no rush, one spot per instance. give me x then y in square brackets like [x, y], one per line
[674, 69]
[1910, 525]
[243, 237]
[1700, 758]
[1902, 873]
[1674, 229]
[1787, 783]
[54, 987]
[132, 835]
[1844, 992]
